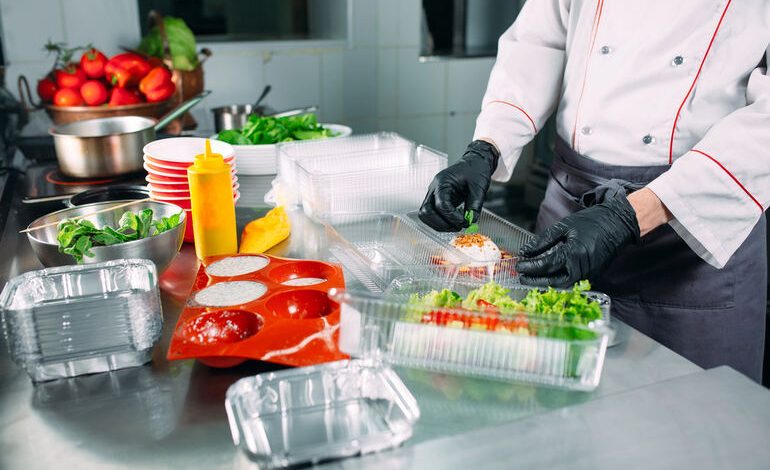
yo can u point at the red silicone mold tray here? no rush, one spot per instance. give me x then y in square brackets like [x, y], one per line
[233, 315]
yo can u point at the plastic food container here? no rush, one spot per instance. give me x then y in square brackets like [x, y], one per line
[381, 247]
[75, 320]
[260, 307]
[310, 414]
[508, 237]
[522, 348]
[261, 159]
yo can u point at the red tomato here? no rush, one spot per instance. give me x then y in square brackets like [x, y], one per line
[94, 93]
[46, 89]
[92, 63]
[70, 76]
[486, 306]
[122, 96]
[67, 97]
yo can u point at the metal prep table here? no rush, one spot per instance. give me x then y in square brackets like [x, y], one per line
[171, 415]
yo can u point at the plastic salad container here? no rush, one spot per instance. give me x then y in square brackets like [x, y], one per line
[311, 414]
[290, 154]
[519, 347]
[74, 320]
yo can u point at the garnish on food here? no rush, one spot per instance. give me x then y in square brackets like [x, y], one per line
[261, 130]
[76, 237]
[472, 226]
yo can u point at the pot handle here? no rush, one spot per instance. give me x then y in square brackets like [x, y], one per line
[25, 95]
[181, 109]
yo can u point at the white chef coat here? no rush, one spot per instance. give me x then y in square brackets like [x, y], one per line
[648, 82]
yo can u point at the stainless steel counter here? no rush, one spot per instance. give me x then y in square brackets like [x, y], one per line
[171, 415]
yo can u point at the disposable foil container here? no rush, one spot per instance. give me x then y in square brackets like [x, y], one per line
[74, 320]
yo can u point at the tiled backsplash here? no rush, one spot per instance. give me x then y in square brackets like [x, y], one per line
[374, 81]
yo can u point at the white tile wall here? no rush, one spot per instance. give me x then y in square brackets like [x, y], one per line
[373, 82]
[421, 85]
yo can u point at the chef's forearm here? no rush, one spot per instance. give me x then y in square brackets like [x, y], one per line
[651, 213]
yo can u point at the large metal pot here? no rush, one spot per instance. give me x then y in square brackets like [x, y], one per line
[105, 147]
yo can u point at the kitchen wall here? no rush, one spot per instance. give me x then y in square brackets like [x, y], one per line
[373, 81]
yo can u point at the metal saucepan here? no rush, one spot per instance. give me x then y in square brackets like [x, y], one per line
[118, 192]
[104, 147]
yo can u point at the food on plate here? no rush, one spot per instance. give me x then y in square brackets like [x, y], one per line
[181, 43]
[264, 233]
[304, 281]
[503, 313]
[228, 294]
[76, 237]
[124, 79]
[261, 130]
[236, 266]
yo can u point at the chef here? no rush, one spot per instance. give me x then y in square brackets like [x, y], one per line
[661, 172]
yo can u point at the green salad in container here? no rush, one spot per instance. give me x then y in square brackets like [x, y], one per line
[265, 130]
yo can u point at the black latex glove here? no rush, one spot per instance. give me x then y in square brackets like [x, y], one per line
[580, 246]
[466, 182]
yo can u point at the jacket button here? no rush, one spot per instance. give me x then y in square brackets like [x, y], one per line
[586, 130]
[605, 50]
[678, 60]
[648, 139]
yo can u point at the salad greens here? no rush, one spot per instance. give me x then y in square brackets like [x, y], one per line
[76, 237]
[261, 130]
[566, 306]
[472, 227]
[181, 42]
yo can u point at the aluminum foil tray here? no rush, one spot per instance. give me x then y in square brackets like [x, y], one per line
[521, 348]
[75, 320]
[311, 414]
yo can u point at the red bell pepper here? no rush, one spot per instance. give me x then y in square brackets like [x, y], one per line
[121, 96]
[157, 85]
[127, 69]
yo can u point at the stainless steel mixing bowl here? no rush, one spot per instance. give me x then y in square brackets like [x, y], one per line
[160, 249]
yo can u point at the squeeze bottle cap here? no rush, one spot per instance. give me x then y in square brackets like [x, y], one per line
[209, 160]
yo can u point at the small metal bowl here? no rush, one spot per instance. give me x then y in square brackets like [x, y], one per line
[235, 116]
[161, 249]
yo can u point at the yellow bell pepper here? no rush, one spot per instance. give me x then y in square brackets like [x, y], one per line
[262, 234]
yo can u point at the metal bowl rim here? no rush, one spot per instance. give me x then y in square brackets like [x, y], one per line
[55, 131]
[181, 220]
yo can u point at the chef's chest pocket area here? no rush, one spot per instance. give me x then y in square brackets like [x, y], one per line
[663, 271]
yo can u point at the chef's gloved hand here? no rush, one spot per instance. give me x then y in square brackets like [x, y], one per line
[466, 182]
[581, 245]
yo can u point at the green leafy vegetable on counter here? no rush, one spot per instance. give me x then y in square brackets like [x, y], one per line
[261, 130]
[181, 41]
[472, 227]
[76, 237]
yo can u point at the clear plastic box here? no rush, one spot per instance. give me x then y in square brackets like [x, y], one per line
[311, 414]
[380, 247]
[507, 236]
[74, 320]
[523, 348]
[291, 154]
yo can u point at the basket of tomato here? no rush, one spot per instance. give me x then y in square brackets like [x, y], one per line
[126, 84]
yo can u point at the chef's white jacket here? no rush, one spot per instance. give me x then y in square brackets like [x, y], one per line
[648, 82]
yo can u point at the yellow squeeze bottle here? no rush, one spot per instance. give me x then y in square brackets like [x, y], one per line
[213, 208]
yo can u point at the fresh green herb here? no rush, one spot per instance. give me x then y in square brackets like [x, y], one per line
[76, 237]
[271, 130]
[472, 227]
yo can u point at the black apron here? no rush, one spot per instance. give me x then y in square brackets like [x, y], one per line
[661, 287]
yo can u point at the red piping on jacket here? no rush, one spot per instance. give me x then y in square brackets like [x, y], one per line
[531, 121]
[692, 86]
[597, 19]
[731, 176]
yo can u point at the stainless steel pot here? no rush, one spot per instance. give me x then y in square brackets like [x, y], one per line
[104, 147]
[235, 116]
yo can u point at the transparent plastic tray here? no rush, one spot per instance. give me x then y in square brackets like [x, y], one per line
[380, 247]
[523, 348]
[74, 320]
[291, 154]
[310, 414]
[507, 236]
